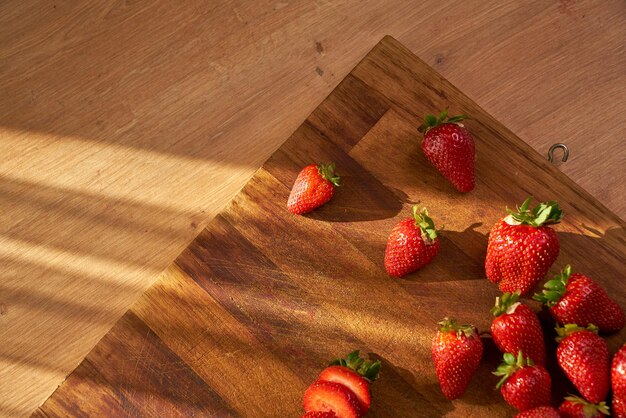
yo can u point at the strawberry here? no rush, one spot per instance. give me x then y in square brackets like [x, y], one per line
[457, 350]
[584, 357]
[450, 149]
[576, 299]
[331, 396]
[314, 186]
[618, 382]
[575, 407]
[524, 385]
[354, 373]
[539, 412]
[318, 414]
[411, 245]
[522, 247]
[517, 328]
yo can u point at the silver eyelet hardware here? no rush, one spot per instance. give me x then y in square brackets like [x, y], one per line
[554, 148]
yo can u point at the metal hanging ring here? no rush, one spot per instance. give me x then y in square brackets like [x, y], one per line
[554, 147]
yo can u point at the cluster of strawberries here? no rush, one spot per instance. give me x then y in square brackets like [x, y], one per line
[521, 249]
[525, 384]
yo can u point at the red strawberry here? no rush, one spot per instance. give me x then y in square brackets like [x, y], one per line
[575, 407]
[314, 186]
[618, 382]
[524, 385]
[457, 350]
[354, 373]
[522, 247]
[318, 414]
[411, 245]
[539, 412]
[517, 328]
[576, 299]
[331, 396]
[450, 149]
[584, 357]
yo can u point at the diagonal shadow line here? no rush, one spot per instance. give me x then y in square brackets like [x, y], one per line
[84, 205]
[38, 301]
[52, 273]
[81, 222]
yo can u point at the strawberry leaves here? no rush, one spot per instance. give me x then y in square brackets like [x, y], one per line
[545, 213]
[457, 119]
[506, 303]
[327, 171]
[569, 329]
[589, 409]
[369, 370]
[450, 324]
[510, 365]
[430, 121]
[425, 223]
[555, 288]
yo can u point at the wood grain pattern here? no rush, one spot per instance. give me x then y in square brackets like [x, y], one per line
[251, 311]
[143, 377]
[126, 126]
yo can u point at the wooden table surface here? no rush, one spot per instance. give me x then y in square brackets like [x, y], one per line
[251, 312]
[126, 126]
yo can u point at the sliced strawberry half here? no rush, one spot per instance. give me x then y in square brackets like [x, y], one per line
[331, 396]
[352, 380]
[354, 373]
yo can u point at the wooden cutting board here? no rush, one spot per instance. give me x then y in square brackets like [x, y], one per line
[254, 308]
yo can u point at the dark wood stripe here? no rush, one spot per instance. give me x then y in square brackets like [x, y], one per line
[350, 101]
[134, 374]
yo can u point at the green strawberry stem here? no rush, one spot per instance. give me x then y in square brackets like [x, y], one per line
[510, 365]
[506, 303]
[545, 213]
[450, 324]
[369, 370]
[425, 223]
[555, 288]
[327, 171]
[430, 121]
[569, 329]
[589, 409]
